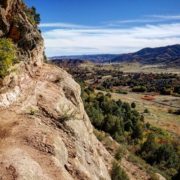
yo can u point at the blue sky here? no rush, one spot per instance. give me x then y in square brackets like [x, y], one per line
[72, 27]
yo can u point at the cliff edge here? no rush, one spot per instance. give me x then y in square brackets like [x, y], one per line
[45, 132]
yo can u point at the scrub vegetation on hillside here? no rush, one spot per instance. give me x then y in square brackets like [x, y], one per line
[126, 125]
[7, 56]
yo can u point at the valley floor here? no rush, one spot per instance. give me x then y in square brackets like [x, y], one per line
[158, 109]
[133, 67]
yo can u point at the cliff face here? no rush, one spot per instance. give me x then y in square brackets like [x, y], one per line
[17, 25]
[44, 130]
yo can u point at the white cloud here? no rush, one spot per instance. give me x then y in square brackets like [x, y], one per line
[133, 21]
[62, 25]
[108, 40]
[166, 17]
[145, 20]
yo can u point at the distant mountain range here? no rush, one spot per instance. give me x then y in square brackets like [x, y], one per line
[169, 55]
[95, 58]
[162, 55]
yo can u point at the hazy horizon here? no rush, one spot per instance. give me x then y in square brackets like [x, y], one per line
[106, 53]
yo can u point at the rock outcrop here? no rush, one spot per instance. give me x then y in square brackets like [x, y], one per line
[45, 132]
[17, 25]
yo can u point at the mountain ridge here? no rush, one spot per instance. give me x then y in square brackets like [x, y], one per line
[162, 55]
[167, 55]
[95, 58]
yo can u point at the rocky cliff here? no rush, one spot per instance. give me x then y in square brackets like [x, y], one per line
[44, 130]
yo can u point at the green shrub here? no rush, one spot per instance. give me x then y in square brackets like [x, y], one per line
[163, 156]
[139, 89]
[7, 56]
[33, 111]
[151, 170]
[32, 15]
[133, 105]
[67, 115]
[118, 173]
[100, 135]
[114, 117]
[120, 153]
[137, 132]
[146, 110]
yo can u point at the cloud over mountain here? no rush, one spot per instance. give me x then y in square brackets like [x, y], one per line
[73, 39]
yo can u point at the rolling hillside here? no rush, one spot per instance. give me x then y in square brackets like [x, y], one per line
[169, 55]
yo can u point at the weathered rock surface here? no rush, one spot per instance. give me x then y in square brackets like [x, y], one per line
[45, 132]
[15, 24]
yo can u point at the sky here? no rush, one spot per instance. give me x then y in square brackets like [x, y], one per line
[78, 27]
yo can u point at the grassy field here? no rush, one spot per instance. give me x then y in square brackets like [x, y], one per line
[133, 68]
[158, 109]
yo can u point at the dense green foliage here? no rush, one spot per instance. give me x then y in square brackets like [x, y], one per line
[126, 125]
[118, 173]
[7, 56]
[114, 117]
[164, 84]
[161, 153]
